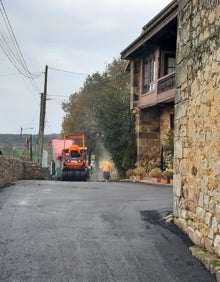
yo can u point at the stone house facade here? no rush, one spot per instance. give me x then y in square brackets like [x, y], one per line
[197, 123]
[151, 62]
[195, 102]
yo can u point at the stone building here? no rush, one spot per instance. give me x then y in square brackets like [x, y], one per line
[152, 62]
[195, 26]
[197, 123]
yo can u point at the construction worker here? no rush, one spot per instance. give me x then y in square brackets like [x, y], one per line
[52, 169]
[106, 169]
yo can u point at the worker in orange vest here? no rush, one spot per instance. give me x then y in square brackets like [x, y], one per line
[106, 169]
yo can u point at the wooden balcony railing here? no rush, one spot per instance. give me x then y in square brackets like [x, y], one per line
[166, 83]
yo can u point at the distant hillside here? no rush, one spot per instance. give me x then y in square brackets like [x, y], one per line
[18, 140]
[14, 146]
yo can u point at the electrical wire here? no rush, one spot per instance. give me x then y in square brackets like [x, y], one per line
[17, 50]
[56, 102]
[7, 43]
[35, 115]
[9, 74]
[57, 95]
[73, 72]
[11, 49]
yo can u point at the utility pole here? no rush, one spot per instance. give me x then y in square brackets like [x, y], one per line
[42, 118]
[31, 148]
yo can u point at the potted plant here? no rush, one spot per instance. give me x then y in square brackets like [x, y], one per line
[140, 172]
[155, 174]
[168, 174]
[164, 178]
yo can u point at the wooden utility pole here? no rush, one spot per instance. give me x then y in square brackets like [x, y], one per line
[31, 148]
[42, 118]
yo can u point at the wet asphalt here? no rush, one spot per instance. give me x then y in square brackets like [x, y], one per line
[92, 231]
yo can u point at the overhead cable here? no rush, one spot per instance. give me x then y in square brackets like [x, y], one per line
[73, 72]
[11, 49]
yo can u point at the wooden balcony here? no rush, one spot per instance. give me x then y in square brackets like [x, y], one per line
[166, 83]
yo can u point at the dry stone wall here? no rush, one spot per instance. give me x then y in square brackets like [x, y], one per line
[197, 123]
[14, 169]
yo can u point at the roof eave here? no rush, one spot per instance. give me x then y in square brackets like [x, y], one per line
[151, 28]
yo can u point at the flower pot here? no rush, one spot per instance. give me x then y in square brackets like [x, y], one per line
[164, 180]
[155, 179]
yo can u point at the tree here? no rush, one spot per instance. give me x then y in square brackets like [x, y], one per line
[116, 123]
[101, 111]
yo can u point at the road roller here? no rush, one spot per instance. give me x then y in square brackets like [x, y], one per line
[74, 160]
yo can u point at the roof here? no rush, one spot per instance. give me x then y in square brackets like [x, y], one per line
[58, 146]
[158, 23]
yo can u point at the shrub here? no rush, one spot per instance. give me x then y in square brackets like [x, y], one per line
[168, 173]
[155, 172]
[140, 170]
[130, 172]
[152, 164]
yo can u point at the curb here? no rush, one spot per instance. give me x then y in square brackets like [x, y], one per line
[210, 261]
[147, 181]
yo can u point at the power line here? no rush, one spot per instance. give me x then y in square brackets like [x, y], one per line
[11, 49]
[17, 49]
[73, 72]
[56, 103]
[8, 44]
[58, 95]
[15, 73]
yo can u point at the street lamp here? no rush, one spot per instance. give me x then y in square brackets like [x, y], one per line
[25, 129]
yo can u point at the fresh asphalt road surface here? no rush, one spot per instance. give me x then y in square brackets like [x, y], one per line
[91, 231]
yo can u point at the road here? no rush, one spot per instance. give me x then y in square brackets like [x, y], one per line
[91, 231]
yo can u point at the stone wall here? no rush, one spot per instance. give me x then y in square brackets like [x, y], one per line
[165, 122]
[197, 123]
[14, 169]
[148, 134]
[152, 127]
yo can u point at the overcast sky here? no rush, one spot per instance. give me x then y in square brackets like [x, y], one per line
[75, 39]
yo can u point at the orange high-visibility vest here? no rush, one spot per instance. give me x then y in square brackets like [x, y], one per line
[107, 166]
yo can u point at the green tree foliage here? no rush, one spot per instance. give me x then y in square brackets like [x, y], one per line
[80, 117]
[100, 110]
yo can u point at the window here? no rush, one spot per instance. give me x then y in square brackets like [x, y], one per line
[170, 64]
[149, 73]
[172, 121]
